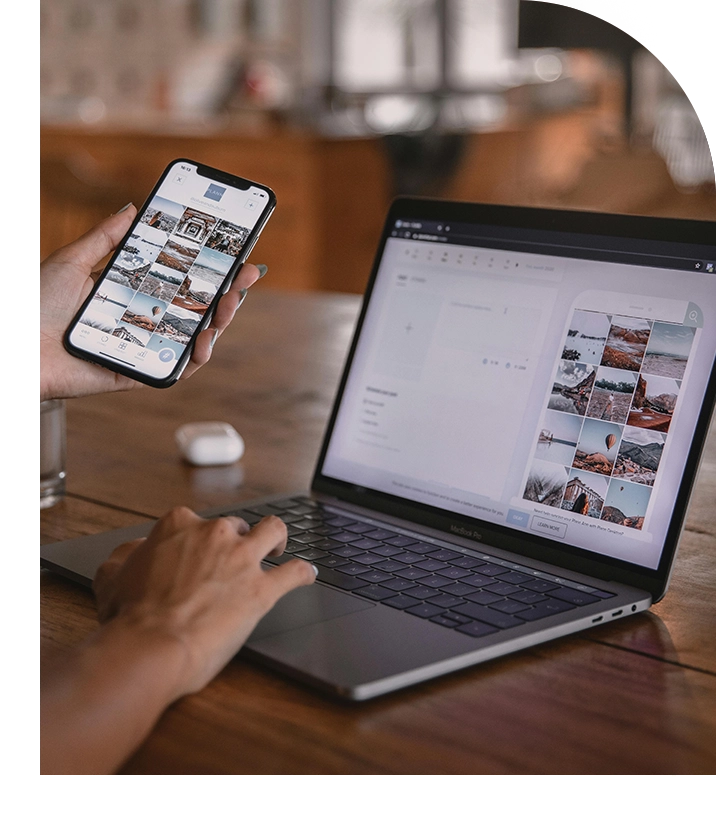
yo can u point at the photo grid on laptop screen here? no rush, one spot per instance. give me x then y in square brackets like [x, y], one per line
[539, 391]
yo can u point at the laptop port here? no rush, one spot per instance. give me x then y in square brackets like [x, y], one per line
[598, 619]
[617, 613]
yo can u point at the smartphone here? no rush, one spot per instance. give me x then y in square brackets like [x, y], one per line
[162, 284]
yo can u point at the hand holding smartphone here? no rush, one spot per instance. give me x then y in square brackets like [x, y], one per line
[163, 282]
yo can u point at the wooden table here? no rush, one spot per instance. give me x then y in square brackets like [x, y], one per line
[636, 696]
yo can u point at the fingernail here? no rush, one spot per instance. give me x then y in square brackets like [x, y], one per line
[263, 268]
[315, 568]
[214, 338]
[126, 206]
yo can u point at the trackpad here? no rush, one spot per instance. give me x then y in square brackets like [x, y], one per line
[306, 606]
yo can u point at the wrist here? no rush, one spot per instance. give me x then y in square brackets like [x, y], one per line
[147, 649]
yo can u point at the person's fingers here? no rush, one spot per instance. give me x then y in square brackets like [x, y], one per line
[246, 277]
[108, 570]
[91, 247]
[223, 315]
[201, 353]
[288, 576]
[237, 526]
[267, 537]
[119, 555]
[226, 308]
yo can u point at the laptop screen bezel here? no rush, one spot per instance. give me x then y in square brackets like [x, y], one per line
[577, 223]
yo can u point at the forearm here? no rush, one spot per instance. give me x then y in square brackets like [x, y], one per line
[103, 702]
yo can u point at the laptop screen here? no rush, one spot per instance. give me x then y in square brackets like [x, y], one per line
[544, 381]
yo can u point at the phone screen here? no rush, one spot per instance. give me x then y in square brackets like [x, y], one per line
[154, 297]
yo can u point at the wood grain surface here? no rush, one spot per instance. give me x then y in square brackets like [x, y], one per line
[636, 696]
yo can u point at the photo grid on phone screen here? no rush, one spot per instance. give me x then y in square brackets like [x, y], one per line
[602, 435]
[161, 284]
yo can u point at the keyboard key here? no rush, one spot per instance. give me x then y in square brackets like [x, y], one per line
[310, 554]
[461, 619]
[339, 580]
[375, 577]
[515, 577]
[305, 537]
[408, 557]
[546, 609]
[431, 565]
[447, 601]
[379, 534]
[323, 530]
[529, 598]
[421, 592]
[336, 521]
[454, 573]
[264, 509]
[346, 551]
[398, 584]
[293, 547]
[367, 558]
[478, 580]
[401, 601]
[385, 549]
[509, 606]
[365, 544]
[476, 629]
[401, 540]
[424, 610]
[484, 597]
[466, 562]
[325, 545]
[285, 503]
[314, 516]
[504, 588]
[278, 559]
[435, 581]
[458, 589]
[332, 562]
[578, 598]
[411, 573]
[489, 616]
[354, 568]
[441, 620]
[422, 548]
[345, 537]
[491, 569]
[360, 528]
[445, 555]
[539, 585]
[289, 517]
[375, 593]
[306, 524]
[604, 595]
[390, 566]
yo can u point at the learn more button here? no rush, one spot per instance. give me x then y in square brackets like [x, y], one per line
[556, 529]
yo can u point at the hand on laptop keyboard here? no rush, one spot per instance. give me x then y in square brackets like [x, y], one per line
[175, 607]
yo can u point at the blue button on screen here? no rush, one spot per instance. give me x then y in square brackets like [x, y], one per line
[517, 518]
[166, 355]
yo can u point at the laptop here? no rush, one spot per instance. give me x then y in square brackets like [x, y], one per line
[511, 450]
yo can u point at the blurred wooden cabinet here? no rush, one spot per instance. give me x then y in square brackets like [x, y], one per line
[332, 194]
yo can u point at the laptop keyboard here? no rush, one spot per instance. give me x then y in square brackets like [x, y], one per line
[474, 594]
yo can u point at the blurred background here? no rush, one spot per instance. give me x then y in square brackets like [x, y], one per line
[339, 105]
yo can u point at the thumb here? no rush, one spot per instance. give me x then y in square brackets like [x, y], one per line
[91, 247]
[107, 572]
[288, 576]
